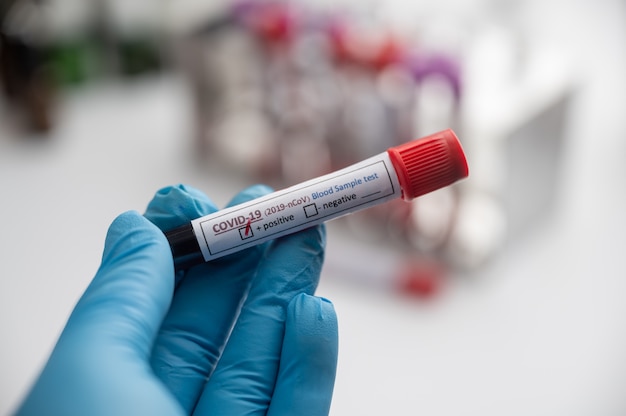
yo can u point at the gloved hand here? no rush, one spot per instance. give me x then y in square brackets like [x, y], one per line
[238, 335]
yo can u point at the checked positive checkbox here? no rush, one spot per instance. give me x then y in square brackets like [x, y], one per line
[246, 232]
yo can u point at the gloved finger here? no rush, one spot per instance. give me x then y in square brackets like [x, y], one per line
[308, 362]
[244, 378]
[174, 206]
[203, 311]
[248, 194]
[104, 349]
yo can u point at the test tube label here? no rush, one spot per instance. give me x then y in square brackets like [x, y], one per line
[334, 195]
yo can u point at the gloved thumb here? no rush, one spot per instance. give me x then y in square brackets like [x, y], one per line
[100, 363]
[132, 290]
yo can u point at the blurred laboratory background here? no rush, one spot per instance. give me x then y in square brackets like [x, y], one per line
[504, 294]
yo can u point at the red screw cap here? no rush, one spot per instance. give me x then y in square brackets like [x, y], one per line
[429, 163]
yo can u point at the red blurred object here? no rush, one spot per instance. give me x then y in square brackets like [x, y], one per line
[273, 22]
[422, 278]
[374, 52]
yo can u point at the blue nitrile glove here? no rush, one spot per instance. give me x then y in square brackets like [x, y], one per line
[239, 335]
